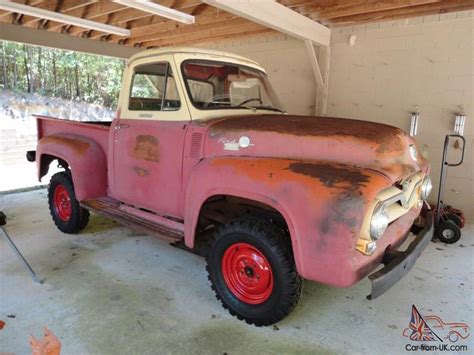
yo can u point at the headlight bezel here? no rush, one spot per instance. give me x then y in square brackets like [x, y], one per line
[379, 221]
[426, 187]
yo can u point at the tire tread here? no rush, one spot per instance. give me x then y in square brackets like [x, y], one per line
[280, 243]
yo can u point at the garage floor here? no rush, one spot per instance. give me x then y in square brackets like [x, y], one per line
[111, 290]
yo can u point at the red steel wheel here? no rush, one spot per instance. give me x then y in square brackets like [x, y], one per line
[247, 273]
[62, 203]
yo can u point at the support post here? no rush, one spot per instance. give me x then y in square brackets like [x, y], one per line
[321, 75]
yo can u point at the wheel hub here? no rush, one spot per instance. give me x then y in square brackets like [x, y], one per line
[62, 203]
[247, 273]
[448, 233]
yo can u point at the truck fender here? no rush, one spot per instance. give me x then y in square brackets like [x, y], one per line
[323, 203]
[220, 176]
[84, 156]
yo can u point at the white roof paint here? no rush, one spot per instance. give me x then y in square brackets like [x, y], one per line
[202, 53]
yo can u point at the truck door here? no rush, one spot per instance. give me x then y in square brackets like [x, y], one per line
[148, 138]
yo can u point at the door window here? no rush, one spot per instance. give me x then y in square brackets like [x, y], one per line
[154, 89]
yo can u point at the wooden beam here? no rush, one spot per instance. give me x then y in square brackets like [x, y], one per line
[15, 33]
[324, 60]
[271, 14]
[367, 7]
[54, 16]
[158, 10]
[146, 27]
[419, 10]
[314, 63]
[206, 35]
[321, 75]
[235, 22]
[184, 41]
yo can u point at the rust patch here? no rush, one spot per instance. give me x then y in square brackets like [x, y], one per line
[332, 175]
[147, 148]
[141, 171]
[390, 144]
[76, 144]
[344, 211]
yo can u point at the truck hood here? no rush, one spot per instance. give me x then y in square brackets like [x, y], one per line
[363, 144]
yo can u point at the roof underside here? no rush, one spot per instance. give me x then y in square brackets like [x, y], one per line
[212, 24]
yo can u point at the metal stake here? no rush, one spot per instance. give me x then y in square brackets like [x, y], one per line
[15, 249]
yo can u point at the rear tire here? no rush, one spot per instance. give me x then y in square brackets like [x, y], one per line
[67, 213]
[448, 232]
[252, 271]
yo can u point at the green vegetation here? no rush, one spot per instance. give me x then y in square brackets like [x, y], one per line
[58, 73]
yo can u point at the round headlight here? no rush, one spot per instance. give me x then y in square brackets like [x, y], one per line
[426, 187]
[379, 221]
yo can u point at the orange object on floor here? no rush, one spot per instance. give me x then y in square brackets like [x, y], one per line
[2, 324]
[49, 345]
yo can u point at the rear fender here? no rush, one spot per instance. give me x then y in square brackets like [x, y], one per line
[323, 204]
[85, 157]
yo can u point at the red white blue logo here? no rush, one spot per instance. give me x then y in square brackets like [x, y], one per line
[433, 328]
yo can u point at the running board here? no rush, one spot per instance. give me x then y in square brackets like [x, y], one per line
[161, 227]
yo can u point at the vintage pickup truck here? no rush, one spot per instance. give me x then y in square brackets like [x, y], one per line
[202, 153]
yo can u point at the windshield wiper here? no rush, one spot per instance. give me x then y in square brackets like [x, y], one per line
[271, 108]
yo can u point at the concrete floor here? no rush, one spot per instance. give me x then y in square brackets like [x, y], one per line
[112, 290]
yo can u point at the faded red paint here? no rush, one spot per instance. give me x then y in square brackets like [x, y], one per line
[321, 174]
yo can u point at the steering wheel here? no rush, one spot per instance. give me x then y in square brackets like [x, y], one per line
[250, 100]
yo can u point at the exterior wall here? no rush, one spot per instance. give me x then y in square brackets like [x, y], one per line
[393, 67]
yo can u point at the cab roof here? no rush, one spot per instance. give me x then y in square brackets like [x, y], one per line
[194, 51]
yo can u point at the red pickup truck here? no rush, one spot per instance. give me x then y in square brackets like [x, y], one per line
[201, 152]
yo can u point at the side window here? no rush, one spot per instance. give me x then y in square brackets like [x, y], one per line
[153, 89]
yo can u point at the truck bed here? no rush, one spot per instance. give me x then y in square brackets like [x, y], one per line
[97, 131]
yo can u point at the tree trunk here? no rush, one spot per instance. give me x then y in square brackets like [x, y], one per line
[27, 70]
[76, 75]
[55, 75]
[4, 67]
[40, 68]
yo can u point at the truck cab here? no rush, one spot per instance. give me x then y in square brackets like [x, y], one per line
[202, 153]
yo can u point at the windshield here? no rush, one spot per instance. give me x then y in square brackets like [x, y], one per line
[215, 85]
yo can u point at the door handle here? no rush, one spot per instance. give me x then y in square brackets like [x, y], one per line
[121, 126]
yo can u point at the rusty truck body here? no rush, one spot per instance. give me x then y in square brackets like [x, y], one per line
[201, 152]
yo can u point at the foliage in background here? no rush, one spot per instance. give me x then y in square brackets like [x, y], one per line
[58, 73]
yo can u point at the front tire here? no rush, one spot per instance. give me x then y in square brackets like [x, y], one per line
[67, 213]
[252, 271]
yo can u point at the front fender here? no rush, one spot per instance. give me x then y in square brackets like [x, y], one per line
[85, 157]
[323, 203]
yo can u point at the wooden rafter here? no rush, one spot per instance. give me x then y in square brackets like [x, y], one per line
[212, 24]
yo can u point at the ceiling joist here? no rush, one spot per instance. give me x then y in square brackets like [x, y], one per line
[224, 19]
[55, 16]
[157, 9]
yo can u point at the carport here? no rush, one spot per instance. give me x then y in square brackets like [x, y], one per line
[109, 289]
